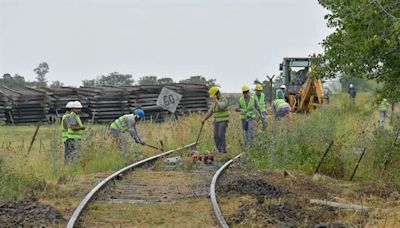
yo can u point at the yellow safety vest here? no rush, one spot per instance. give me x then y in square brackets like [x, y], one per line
[120, 123]
[250, 108]
[220, 115]
[75, 134]
[64, 131]
[261, 102]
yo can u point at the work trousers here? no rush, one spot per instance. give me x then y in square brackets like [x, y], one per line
[264, 120]
[383, 118]
[281, 112]
[248, 130]
[219, 135]
[70, 150]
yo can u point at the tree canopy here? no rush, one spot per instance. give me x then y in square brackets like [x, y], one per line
[365, 42]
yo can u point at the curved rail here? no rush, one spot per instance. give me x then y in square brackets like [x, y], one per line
[213, 198]
[88, 198]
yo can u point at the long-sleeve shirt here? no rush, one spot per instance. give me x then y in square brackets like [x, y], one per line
[131, 124]
[222, 104]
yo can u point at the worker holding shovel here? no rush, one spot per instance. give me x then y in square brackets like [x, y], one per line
[127, 123]
[221, 118]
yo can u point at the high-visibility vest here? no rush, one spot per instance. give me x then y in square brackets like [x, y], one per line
[120, 123]
[64, 131]
[75, 134]
[280, 103]
[261, 102]
[383, 105]
[248, 111]
[220, 115]
[279, 91]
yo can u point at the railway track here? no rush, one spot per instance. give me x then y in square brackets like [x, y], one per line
[139, 191]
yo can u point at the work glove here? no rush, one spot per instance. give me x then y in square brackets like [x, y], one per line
[143, 143]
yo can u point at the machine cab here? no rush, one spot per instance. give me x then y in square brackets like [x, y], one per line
[294, 72]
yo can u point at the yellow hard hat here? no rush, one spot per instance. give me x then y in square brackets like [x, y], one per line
[259, 87]
[245, 88]
[213, 90]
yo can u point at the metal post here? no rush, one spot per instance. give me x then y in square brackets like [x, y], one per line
[323, 157]
[358, 163]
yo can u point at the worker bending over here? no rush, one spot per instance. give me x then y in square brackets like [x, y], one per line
[74, 132]
[280, 107]
[262, 103]
[221, 118]
[247, 107]
[127, 123]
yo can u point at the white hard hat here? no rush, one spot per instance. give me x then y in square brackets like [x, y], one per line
[351, 85]
[282, 87]
[69, 104]
[77, 104]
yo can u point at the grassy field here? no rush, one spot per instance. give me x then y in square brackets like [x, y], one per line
[297, 145]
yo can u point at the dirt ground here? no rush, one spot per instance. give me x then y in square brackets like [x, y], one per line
[29, 212]
[273, 199]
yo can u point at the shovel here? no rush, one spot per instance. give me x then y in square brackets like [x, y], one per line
[152, 147]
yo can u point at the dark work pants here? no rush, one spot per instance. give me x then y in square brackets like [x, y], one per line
[70, 149]
[219, 135]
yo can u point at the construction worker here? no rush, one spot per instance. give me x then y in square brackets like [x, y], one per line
[262, 104]
[74, 132]
[221, 118]
[382, 110]
[280, 107]
[247, 107]
[352, 92]
[281, 91]
[127, 123]
[64, 125]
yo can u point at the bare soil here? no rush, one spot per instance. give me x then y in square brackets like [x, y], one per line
[29, 212]
[271, 199]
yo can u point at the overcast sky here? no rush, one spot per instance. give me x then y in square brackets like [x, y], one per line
[234, 41]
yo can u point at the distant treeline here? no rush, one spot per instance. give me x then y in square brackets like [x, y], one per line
[112, 79]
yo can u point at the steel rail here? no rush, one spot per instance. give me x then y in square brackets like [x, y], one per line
[217, 212]
[89, 197]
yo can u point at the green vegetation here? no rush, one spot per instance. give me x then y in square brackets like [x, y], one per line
[300, 143]
[297, 145]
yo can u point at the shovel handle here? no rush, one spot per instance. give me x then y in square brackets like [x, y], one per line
[198, 135]
[152, 146]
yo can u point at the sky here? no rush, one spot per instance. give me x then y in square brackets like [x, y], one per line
[233, 41]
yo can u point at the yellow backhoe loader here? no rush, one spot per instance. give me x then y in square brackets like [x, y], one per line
[303, 92]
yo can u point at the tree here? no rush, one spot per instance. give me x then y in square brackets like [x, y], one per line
[89, 82]
[116, 79]
[199, 79]
[41, 72]
[15, 81]
[164, 81]
[365, 42]
[148, 80]
[56, 84]
[112, 79]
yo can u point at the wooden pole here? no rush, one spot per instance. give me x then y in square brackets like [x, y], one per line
[270, 88]
[358, 163]
[34, 137]
[323, 157]
[198, 135]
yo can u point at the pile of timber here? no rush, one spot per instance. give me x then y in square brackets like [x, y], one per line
[4, 107]
[27, 105]
[194, 99]
[105, 104]
[59, 97]
[100, 104]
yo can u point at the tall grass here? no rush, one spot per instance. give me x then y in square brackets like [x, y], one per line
[21, 171]
[300, 143]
